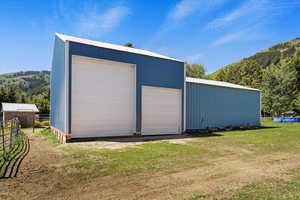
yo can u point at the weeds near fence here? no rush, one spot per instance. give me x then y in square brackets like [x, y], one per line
[8, 131]
[52, 137]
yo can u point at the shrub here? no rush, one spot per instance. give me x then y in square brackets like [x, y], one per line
[37, 123]
[45, 123]
[41, 123]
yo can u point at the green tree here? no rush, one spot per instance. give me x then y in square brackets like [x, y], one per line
[3, 95]
[250, 74]
[43, 102]
[129, 44]
[297, 103]
[246, 72]
[295, 62]
[12, 95]
[23, 98]
[278, 89]
[195, 70]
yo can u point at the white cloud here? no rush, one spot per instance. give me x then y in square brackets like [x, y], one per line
[184, 8]
[231, 37]
[250, 19]
[94, 22]
[194, 58]
[251, 9]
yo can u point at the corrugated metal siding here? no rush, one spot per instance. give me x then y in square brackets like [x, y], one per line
[211, 106]
[150, 71]
[58, 88]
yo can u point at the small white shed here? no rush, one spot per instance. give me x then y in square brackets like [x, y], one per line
[24, 112]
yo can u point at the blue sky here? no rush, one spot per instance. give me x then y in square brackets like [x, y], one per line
[211, 32]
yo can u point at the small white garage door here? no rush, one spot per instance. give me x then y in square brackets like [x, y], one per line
[103, 98]
[161, 110]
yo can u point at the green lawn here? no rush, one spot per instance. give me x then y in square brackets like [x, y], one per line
[272, 189]
[47, 133]
[162, 157]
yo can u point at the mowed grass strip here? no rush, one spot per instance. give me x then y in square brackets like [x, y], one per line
[163, 157]
[279, 189]
[271, 138]
[274, 138]
[151, 156]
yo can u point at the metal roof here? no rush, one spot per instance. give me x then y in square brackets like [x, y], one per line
[19, 107]
[217, 83]
[113, 46]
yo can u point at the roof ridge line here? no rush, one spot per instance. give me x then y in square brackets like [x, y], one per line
[113, 46]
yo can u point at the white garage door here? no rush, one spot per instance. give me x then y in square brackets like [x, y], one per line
[161, 110]
[103, 98]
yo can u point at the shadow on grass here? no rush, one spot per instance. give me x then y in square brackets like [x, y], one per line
[146, 138]
[217, 132]
[9, 168]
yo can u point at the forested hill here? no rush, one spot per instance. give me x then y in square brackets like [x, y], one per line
[248, 71]
[30, 82]
[26, 87]
[275, 71]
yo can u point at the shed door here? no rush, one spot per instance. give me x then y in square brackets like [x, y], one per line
[161, 110]
[103, 98]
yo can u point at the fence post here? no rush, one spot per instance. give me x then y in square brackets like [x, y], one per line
[11, 132]
[18, 126]
[3, 141]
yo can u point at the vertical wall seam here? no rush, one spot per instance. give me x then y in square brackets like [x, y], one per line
[66, 85]
[184, 99]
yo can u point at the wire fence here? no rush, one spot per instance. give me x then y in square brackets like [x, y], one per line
[8, 131]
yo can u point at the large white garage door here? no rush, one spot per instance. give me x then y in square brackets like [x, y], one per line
[161, 110]
[103, 98]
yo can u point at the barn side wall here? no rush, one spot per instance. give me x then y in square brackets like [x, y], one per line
[150, 71]
[211, 106]
[58, 87]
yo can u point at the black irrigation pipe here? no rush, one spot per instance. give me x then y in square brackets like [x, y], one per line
[15, 156]
[20, 159]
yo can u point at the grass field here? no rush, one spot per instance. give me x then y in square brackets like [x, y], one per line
[250, 164]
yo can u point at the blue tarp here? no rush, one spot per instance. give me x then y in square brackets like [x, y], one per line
[286, 119]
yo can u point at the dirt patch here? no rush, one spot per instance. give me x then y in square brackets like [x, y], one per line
[181, 141]
[220, 179]
[36, 169]
[120, 143]
[103, 145]
[43, 176]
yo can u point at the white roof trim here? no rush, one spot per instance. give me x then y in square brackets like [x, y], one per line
[113, 46]
[19, 107]
[217, 83]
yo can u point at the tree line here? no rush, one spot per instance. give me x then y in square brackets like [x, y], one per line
[279, 83]
[15, 95]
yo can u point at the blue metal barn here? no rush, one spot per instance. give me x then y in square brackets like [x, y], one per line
[102, 90]
[220, 104]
